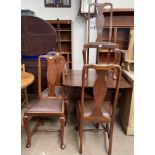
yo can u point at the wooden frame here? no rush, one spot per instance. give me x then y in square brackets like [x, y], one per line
[58, 4]
[84, 6]
[55, 71]
[96, 114]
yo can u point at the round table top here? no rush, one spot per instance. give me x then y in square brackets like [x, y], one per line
[26, 79]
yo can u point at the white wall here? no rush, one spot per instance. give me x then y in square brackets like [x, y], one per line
[79, 23]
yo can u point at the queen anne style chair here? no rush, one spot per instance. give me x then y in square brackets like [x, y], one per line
[98, 110]
[102, 46]
[51, 101]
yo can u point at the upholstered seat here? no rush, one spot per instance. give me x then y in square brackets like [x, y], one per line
[46, 106]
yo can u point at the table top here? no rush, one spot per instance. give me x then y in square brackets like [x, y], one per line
[26, 79]
[74, 79]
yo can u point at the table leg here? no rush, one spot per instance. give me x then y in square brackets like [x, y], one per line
[126, 111]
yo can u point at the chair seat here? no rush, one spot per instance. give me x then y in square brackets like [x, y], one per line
[89, 107]
[47, 106]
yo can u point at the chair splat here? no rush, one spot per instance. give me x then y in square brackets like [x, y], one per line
[99, 90]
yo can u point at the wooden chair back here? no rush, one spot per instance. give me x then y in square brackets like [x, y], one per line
[100, 86]
[106, 52]
[100, 8]
[59, 42]
[55, 73]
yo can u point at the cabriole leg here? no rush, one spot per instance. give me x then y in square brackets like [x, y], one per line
[27, 128]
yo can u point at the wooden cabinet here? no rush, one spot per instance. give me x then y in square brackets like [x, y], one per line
[123, 22]
[65, 38]
[126, 106]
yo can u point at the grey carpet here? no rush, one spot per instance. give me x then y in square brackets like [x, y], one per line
[94, 143]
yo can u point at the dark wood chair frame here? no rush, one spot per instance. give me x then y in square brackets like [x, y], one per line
[64, 76]
[52, 96]
[99, 91]
[100, 8]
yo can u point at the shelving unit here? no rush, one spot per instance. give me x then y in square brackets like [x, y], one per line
[123, 22]
[65, 38]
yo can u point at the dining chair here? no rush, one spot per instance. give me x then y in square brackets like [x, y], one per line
[98, 110]
[51, 101]
[66, 70]
[107, 51]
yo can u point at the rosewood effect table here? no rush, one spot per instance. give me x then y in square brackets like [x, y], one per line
[74, 79]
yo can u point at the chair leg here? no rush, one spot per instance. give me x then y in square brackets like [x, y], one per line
[106, 128]
[62, 120]
[26, 98]
[81, 136]
[27, 128]
[66, 111]
[77, 117]
[110, 138]
[97, 125]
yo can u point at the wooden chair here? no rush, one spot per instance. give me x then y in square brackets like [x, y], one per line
[102, 47]
[98, 110]
[65, 91]
[51, 101]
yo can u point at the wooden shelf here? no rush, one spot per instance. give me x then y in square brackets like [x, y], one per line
[123, 22]
[65, 52]
[64, 30]
[116, 12]
[54, 22]
[65, 38]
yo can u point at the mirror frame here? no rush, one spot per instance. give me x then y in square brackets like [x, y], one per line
[84, 6]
